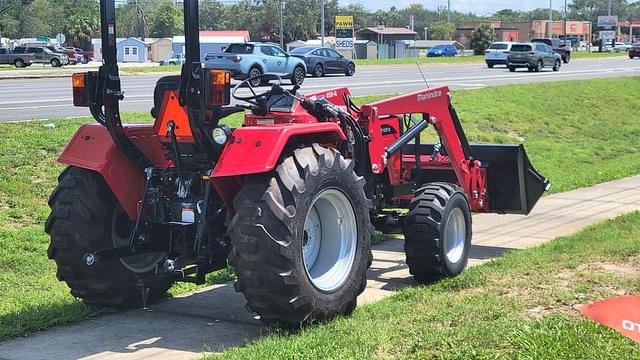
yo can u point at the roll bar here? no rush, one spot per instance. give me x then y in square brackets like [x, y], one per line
[105, 106]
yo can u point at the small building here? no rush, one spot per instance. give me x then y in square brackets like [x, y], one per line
[387, 35]
[160, 49]
[131, 50]
[212, 41]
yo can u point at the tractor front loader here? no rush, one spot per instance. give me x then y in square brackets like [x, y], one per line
[290, 200]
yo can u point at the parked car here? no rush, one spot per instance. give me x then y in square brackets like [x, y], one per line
[86, 55]
[496, 54]
[43, 55]
[442, 50]
[73, 56]
[533, 56]
[321, 61]
[634, 52]
[78, 54]
[18, 60]
[246, 60]
[175, 59]
[558, 46]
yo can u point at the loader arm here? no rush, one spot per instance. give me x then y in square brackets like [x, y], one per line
[495, 178]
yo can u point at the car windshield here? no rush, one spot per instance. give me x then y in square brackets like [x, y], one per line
[302, 50]
[439, 47]
[499, 46]
[519, 47]
[240, 49]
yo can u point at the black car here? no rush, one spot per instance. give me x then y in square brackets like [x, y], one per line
[321, 61]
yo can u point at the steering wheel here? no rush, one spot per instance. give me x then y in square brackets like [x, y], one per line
[256, 98]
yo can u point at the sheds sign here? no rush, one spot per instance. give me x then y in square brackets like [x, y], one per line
[344, 32]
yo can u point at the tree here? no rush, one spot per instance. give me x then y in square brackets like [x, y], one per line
[482, 38]
[165, 19]
[211, 15]
[441, 30]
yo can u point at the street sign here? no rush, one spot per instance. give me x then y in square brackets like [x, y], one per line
[607, 21]
[42, 38]
[61, 38]
[344, 32]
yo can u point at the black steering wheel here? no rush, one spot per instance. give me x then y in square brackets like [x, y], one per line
[256, 99]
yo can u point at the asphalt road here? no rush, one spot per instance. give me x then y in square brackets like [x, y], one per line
[51, 98]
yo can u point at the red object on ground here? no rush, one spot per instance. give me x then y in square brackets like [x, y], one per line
[621, 314]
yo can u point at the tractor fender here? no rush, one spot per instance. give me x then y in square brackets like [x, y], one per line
[255, 150]
[92, 148]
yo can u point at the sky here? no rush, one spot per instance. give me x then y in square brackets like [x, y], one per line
[480, 7]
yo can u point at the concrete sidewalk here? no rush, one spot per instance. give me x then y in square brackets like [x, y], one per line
[215, 318]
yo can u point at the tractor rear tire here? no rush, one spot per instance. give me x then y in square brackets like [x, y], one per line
[301, 239]
[81, 222]
[437, 232]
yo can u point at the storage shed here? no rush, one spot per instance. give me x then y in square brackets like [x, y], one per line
[160, 49]
[131, 50]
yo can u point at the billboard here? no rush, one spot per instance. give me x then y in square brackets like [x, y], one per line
[344, 32]
[607, 21]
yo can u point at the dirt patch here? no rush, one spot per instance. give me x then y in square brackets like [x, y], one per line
[558, 292]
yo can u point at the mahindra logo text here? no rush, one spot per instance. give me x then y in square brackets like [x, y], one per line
[429, 95]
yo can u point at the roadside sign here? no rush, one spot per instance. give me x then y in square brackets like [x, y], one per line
[344, 32]
[608, 35]
[607, 21]
[61, 38]
[42, 38]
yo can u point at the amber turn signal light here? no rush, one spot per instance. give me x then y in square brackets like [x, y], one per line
[218, 87]
[78, 82]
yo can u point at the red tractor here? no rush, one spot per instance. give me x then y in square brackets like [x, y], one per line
[290, 200]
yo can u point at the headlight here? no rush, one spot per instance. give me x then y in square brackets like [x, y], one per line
[221, 134]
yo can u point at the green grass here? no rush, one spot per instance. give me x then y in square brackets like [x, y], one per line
[517, 307]
[572, 134]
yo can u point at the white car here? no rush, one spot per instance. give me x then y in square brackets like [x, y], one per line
[497, 53]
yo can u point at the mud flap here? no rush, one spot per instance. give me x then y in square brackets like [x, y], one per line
[514, 186]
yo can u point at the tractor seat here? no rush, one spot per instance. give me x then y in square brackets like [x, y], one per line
[164, 84]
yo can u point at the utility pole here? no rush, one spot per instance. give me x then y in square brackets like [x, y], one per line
[609, 7]
[448, 11]
[564, 30]
[281, 25]
[322, 22]
[550, 17]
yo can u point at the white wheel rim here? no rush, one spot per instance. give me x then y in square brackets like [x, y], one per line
[454, 236]
[329, 241]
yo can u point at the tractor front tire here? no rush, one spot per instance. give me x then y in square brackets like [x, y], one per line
[83, 210]
[437, 232]
[302, 239]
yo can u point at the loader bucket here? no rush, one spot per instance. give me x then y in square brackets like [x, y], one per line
[514, 186]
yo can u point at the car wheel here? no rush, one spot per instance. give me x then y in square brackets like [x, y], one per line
[512, 69]
[255, 72]
[351, 69]
[556, 66]
[318, 71]
[567, 58]
[490, 66]
[539, 66]
[297, 78]
[55, 62]
[19, 63]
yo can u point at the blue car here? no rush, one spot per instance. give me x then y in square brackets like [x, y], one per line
[249, 60]
[442, 50]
